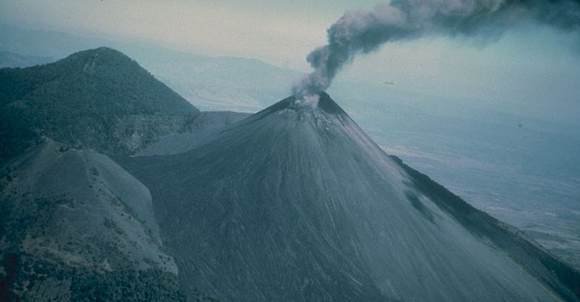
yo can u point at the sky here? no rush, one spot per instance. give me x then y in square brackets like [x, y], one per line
[530, 69]
[277, 31]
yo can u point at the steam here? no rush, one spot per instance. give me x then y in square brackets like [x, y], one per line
[361, 32]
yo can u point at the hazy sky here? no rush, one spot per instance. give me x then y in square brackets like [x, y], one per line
[277, 31]
[531, 66]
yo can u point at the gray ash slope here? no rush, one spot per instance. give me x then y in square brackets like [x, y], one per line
[204, 128]
[75, 226]
[296, 203]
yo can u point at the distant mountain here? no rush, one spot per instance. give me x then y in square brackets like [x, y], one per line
[10, 59]
[97, 98]
[76, 227]
[220, 83]
[44, 43]
[297, 203]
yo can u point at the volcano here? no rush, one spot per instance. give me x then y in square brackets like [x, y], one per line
[297, 203]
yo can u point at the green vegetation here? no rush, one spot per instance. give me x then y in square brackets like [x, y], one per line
[96, 98]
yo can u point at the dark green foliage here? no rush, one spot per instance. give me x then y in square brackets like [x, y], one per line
[122, 85]
[15, 83]
[15, 135]
[96, 98]
[33, 279]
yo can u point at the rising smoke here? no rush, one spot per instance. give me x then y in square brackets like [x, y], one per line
[361, 32]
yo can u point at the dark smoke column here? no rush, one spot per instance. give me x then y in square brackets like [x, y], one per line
[359, 32]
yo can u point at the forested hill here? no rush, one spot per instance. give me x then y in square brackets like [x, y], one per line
[97, 98]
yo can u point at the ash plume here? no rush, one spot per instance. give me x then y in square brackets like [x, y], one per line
[363, 31]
